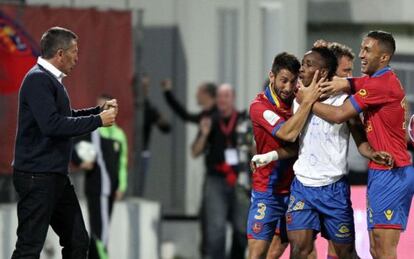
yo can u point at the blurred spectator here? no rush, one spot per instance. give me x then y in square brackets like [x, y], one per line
[206, 99]
[103, 154]
[151, 117]
[222, 199]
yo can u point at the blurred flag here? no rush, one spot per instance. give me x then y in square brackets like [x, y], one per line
[18, 54]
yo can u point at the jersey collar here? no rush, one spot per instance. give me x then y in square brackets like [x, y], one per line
[276, 101]
[272, 97]
[381, 71]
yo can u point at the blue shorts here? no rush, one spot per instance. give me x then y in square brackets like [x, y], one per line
[389, 195]
[326, 209]
[266, 216]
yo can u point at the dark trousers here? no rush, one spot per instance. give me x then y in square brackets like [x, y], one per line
[48, 199]
[222, 204]
[100, 210]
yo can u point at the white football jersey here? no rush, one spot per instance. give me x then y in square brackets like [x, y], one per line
[323, 148]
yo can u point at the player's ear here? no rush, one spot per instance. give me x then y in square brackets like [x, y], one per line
[385, 58]
[271, 76]
[323, 72]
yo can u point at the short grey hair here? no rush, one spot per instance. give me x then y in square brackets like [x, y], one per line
[54, 39]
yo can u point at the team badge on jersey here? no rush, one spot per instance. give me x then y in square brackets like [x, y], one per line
[368, 126]
[362, 93]
[271, 117]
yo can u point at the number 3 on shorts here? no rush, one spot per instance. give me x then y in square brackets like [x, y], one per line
[261, 211]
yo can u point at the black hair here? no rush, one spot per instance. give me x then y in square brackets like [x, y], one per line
[54, 39]
[385, 39]
[329, 58]
[210, 88]
[341, 50]
[287, 61]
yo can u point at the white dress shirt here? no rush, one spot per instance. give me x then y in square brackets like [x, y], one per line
[51, 68]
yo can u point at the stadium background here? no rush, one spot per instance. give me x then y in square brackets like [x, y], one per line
[189, 41]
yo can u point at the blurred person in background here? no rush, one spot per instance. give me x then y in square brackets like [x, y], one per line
[206, 100]
[46, 125]
[221, 200]
[152, 117]
[103, 154]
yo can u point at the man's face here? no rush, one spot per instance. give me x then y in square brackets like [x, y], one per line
[345, 67]
[68, 57]
[225, 99]
[370, 55]
[311, 62]
[284, 84]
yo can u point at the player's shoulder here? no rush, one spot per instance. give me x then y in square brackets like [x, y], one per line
[259, 102]
[338, 99]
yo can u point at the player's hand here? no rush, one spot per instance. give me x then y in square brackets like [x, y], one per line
[87, 165]
[263, 159]
[166, 84]
[110, 104]
[119, 195]
[205, 126]
[108, 117]
[334, 87]
[382, 158]
[311, 93]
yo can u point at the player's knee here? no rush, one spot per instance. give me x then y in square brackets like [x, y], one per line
[300, 249]
[256, 254]
[276, 252]
[344, 250]
[257, 250]
[383, 247]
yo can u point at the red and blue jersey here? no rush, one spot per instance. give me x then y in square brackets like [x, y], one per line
[382, 99]
[268, 113]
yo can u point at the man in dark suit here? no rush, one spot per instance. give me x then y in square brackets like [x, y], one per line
[46, 125]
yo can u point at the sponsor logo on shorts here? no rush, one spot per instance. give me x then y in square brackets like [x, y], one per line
[388, 214]
[299, 206]
[369, 211]
[288, 218]
[257, 227]
[291, 202]
[343, 231]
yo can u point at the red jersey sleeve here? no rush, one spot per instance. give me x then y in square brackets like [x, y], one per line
[266, 118]
[357, 83]
[369, 93]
